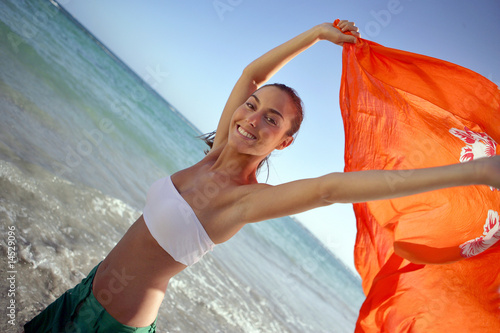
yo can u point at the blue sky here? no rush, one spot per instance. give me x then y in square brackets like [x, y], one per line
[193, 51]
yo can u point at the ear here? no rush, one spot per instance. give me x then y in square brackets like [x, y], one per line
[285, 143]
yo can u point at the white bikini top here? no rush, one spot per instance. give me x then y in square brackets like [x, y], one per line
[174, 225]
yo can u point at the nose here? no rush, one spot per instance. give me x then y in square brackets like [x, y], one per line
[253, 120]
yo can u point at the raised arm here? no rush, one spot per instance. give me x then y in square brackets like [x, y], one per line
[262, 69]
[362, 186]
[351, 187]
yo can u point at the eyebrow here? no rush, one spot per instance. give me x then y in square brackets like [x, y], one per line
[276, 112]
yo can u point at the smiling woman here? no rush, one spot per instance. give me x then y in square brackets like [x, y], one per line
[266, 119]
[194, 209]
[271, 115]
[207, 203]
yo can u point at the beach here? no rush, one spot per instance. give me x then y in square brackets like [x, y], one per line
[82, 138]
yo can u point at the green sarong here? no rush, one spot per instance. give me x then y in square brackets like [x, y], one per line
[77, 310]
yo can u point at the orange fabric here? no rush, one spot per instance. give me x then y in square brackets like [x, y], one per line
[404, 111]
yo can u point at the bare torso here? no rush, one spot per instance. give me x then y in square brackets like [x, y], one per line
[132, 280]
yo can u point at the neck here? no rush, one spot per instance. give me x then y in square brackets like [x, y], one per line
[241, 168]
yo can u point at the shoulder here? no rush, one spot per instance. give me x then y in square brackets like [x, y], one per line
[248, 199]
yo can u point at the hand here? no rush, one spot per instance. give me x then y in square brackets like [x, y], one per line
[339, 37]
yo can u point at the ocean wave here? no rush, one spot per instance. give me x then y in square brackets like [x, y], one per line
[62, 230]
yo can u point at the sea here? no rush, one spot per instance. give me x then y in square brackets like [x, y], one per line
[82, 138]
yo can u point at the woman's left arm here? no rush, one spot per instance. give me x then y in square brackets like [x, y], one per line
[369, 185]
[351, 187]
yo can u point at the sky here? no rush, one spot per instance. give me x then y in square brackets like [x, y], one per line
[193, 51]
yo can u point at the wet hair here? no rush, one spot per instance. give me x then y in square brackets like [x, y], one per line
[293, 131]
[297, 103]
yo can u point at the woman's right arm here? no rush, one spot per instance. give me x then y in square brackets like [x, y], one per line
[262, 69]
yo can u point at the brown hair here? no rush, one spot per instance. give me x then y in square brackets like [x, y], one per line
[294, 129]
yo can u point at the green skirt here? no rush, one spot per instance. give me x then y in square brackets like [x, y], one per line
[77, 310]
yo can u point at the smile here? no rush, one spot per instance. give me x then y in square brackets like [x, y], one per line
[246, 134]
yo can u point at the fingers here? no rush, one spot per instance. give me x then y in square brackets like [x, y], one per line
[346, 26]
[348, 32]
[355, 33]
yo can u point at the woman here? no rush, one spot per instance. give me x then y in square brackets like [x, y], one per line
[206, 204]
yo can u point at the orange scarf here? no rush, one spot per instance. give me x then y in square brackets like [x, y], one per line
[429, 262]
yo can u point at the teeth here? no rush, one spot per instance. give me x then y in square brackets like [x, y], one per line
[245, 133]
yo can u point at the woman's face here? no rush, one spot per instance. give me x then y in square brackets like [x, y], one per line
[260, 125]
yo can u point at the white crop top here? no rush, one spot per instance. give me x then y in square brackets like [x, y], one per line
[174, 225]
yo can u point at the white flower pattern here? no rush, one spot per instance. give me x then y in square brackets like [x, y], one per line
[490, 236]
[477, 145]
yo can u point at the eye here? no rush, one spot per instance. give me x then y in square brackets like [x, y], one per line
[250, 106]
[271, 121]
